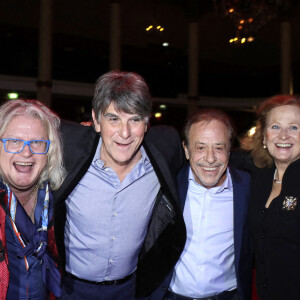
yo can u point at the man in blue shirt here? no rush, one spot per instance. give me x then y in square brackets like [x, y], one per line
[118, 226]
[216, 263]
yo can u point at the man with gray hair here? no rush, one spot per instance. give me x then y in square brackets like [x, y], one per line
[118, 227]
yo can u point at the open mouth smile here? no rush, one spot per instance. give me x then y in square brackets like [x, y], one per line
[122, 145]
[23, 166]
[284, 145]
[209, 168]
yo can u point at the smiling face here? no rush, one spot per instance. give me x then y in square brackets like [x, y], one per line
[208, 152]
[282, 134]
[122, 135]
[22, 170]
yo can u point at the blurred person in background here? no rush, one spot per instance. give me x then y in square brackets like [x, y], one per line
[30, 167]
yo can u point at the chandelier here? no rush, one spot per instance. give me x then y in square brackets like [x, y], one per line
[152, 27]
[249, 15]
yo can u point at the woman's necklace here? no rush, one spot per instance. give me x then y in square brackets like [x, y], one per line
[274, 179]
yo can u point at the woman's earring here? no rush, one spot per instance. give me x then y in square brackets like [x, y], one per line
[264, 146]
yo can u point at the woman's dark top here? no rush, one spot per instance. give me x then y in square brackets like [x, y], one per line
[276, 232]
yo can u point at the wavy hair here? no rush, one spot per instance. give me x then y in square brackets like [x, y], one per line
[128, 91]
[208, 115]
[54, 170]
[261, 156]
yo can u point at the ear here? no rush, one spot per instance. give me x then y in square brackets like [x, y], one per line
[96, 123]
[186, 150]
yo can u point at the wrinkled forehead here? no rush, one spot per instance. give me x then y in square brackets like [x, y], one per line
[211, 129]
[112, 108]
[23, 125]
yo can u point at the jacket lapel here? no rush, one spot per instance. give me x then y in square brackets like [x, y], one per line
[82, 154]
[239, 212]
[183, 184]
[162, 170]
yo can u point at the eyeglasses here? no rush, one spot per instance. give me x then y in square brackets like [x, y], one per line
[17, 146]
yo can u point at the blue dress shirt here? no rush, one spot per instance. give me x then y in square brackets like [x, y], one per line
[206, 266]
[107, 220]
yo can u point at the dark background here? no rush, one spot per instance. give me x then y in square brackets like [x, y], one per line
[81, 51]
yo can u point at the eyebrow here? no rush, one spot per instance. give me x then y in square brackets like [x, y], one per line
[218, 144]
[116, 116]
[279, 123]
[111, 115]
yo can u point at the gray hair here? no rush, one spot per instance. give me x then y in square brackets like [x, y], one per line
[128, 92]
[209, 115]
[54, 170]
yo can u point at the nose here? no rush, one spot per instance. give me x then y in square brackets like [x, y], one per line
[210, 156]
[125, 130]
[284, 134]
[26, 151]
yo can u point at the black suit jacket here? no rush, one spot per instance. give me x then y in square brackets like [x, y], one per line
[166, 234]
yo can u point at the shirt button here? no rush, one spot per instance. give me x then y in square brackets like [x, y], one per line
[265, 285]
[262, 210]
[262, 236]
[110, 260]
[113, 237]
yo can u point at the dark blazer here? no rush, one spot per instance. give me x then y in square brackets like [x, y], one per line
[166, 234]
[275, 230]
[242, 245]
